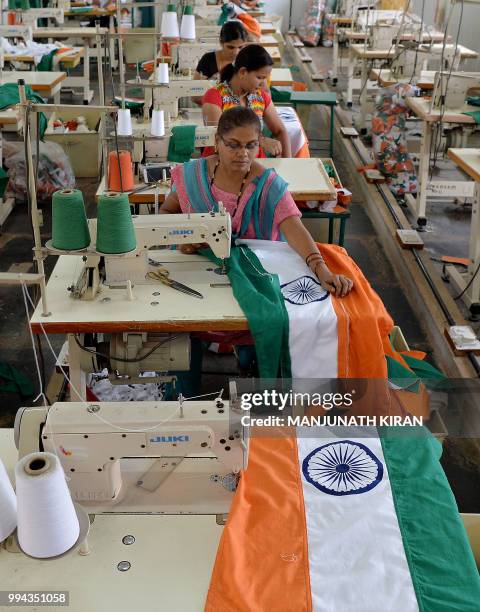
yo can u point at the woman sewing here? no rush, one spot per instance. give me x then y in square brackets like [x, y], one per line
[233, 37]
[256, 198]
[244, 84]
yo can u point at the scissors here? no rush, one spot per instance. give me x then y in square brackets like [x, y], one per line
[162, 274]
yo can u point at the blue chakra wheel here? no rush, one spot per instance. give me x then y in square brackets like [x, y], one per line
[303, 290]
[343, 468]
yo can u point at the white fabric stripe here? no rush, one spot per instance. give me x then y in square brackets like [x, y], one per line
[313, 336]
[355, 549]
[293, 126]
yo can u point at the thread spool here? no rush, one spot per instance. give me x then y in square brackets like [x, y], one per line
[47, 521]
[8, 505]
[69, 220]
[115, 231]
[169, 27]
[161, 74]
[187, 27]
[124, 122]
[157, 127]
[120, 164]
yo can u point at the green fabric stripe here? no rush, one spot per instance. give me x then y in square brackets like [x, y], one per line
[439, 556]
[423, 369]
[259, 296]
[400, 376]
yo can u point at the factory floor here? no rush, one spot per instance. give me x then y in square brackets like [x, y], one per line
[362, 243]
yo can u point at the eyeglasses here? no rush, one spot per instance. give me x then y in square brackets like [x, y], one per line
[237, 146]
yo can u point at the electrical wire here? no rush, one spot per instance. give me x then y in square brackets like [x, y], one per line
[422, 14]
[438, 134]
[468, 285]
[125, 360]
[114, 122]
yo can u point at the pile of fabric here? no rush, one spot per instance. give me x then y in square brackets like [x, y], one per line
[389, 142]
[46, 56]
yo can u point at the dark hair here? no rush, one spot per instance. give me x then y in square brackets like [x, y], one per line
[238, 116]
[251, 57]
[233, 30]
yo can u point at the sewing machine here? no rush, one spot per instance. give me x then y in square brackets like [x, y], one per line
[189, 54]
[450, 90]
[151, 231]
[16, 31]
[176, 457]
[166, 97]
[31, 16]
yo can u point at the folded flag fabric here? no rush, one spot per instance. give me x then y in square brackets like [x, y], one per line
[182, 143]
[339, 522]
[343, 338]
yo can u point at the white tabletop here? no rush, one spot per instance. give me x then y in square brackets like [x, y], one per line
[67, 32]
[468, 160]
[38, 81]
[421, 107]
[173, 311]
[171, 561]
[281, 76]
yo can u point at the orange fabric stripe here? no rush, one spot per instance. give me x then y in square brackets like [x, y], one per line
[368, 321]
[269, 493]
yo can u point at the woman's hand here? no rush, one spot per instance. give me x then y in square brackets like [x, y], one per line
[337, 284]
[271, 146]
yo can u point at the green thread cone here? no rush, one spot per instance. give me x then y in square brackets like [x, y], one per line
[69, 221]
[115, 231]
[188, 10]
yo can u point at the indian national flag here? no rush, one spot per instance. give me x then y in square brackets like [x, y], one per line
[344, 521]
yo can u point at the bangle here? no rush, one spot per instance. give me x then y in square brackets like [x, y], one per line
[315, 261]
[310, 255]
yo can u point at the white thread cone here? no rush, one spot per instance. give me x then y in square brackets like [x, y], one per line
[161, 74]
[124, 122]
[169, 26]
[8, 505]
[187, 28]
[158, 123]
[47, 523]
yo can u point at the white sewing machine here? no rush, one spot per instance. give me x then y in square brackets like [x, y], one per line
[166, 97]
[31, 16]
[16, 31]
[153, 457]
[151, 230]
[450, 90]
[189, 54]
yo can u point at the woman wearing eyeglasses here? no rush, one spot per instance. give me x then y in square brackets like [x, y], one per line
[256, 198]
[244, 84]
[233, 37]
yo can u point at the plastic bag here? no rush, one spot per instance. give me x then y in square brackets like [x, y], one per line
[54, 169]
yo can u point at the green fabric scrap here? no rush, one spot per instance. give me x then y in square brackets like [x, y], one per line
[13, 381]
[279, 95]
[182, 143]
[259, 296]
[46, 63]
[9, 96]
[474, 114]
[3, 181]
[224, 15]
[473, 100]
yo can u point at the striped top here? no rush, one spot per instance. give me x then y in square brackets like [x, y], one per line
[221, 95]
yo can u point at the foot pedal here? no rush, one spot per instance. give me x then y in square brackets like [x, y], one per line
[462, 339]
[349, 132]
[409, 239]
